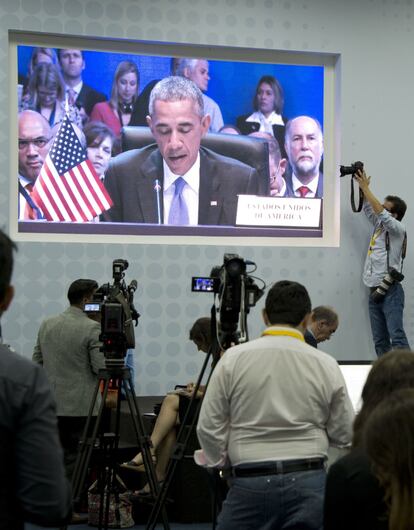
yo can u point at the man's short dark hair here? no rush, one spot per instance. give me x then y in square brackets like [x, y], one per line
[398, 206]
[201, 330]
[287, 303]
[79, 289]
[6, 262]
[323, 312]
[60, 50]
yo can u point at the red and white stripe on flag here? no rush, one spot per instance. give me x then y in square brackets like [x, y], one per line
[76, 196]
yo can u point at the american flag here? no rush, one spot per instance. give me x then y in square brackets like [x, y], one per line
[68, 187]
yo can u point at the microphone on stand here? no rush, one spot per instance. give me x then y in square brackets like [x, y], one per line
[157, 189]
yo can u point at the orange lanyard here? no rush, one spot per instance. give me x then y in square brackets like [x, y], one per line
[285, 332]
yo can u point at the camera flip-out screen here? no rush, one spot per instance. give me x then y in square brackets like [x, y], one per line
[94, 307]
[205, 284]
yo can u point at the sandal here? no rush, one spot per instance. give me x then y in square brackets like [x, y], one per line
[140, 468]
[144, 492]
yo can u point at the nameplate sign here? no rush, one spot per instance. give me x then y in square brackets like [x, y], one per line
[253, 210]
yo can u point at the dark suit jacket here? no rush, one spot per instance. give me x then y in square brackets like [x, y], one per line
[310, 339]
[289, 186]
[88, 97]
[140, 110]
[130, 181]
[247, 127]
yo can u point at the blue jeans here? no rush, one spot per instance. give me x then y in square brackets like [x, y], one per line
[288, 501]
[387, 321]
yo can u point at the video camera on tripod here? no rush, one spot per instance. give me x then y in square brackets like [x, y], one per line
[116, 305]
[237, 293]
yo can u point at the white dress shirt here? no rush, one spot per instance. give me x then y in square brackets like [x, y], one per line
[312, 185]
[266, 123]
[274, 398]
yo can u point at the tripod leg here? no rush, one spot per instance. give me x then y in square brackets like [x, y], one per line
[144, 442]
[180, 446]
[86, 445]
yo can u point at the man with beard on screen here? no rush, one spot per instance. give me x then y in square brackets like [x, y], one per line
[304, 148]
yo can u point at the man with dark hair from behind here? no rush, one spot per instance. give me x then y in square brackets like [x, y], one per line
[323, 323]
[68, 347]
[33, 486]
[272, 408]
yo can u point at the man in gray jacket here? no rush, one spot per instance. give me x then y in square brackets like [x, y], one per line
[68, 347]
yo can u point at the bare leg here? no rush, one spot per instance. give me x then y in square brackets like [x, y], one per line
[164, 451]
[165, 424]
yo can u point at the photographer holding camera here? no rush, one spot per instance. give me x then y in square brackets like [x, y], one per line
[383, 267]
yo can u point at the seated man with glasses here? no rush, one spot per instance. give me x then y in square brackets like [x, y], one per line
[34, 144]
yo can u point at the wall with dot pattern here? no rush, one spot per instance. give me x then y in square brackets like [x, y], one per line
[374, 38]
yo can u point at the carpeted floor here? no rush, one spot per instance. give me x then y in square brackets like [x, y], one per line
[173, 526]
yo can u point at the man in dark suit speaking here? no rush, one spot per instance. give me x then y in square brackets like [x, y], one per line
[177, 182]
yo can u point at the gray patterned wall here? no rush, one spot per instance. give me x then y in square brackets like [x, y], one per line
[374, 38]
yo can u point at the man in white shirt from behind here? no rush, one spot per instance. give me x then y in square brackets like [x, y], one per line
[273, 407]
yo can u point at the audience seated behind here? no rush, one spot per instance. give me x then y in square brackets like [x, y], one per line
[277, 164]
[46, 95]
[116, 113]
[39, 55]
[197, 70]
[172, 412]
[228, 128]
[251, 151]
[268, 102]
[354, 497]
[99, 144]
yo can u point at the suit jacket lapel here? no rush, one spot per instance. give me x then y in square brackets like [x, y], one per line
[209, 198]
[150, 170]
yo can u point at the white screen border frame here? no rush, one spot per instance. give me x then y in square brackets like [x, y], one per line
[332, 67]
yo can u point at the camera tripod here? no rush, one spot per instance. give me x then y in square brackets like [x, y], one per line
[184, 434]
[108, 446]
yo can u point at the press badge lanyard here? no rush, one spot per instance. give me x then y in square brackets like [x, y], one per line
[284, 333]
[377, 232]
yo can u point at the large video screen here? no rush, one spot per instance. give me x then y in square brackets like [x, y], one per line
[246, 161]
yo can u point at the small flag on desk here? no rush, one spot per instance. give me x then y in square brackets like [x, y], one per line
[68, 187]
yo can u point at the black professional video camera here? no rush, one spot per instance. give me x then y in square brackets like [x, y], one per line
[117, 310]
[391, 277]
[237, 293]
[351, 170]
